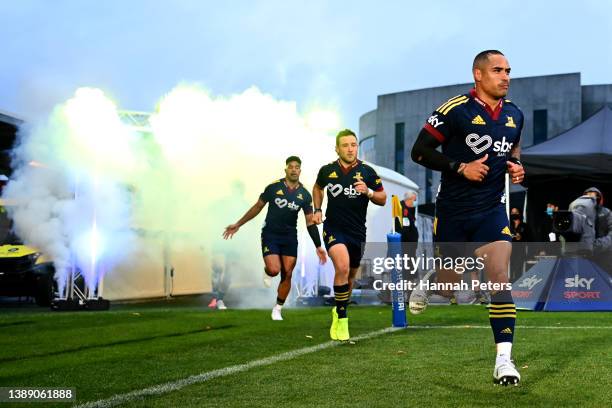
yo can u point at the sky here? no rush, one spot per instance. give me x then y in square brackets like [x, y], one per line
[328, 54]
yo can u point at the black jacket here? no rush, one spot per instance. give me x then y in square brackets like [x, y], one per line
[603, 230]
[410, 233]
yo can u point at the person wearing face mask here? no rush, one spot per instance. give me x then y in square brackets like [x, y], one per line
[546, 233]
[602, 247]
[408, 229]
[518, 227]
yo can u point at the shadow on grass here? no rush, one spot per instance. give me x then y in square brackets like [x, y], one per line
[114, 343]
[19, 323]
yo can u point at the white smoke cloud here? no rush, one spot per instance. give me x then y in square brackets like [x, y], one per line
[67, 193]
[203, 163]
[219, 154]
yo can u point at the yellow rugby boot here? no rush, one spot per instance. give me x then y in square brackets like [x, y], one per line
[334, 325]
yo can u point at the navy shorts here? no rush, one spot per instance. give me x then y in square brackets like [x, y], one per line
[490, 226]
[277, 244]
[354, 242]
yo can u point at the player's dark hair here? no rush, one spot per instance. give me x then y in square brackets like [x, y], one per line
[344, 132]
[483, 57]
[293, 158]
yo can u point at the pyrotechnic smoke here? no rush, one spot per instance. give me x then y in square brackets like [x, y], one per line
[220, 153]
[203, 164]
[67, 186]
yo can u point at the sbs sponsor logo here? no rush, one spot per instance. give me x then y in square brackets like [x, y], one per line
[479, 144]
[336, 189]
[282, 203]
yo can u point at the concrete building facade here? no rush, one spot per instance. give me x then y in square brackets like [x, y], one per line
[551, 104]
[9, 125]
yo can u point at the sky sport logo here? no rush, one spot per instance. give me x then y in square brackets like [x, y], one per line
[434, 121]
[530, 282]
[580, 283]
[336, 189]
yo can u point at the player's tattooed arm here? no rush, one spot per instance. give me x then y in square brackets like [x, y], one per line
[515, 167]
[252, 212]
[317, 202]
[515, 152]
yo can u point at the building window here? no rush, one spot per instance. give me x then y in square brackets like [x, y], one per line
[540, 125]
[399, 147]
[367, 150]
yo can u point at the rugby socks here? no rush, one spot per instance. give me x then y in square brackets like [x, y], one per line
[502, 315]
[504, 352]
[342, 294]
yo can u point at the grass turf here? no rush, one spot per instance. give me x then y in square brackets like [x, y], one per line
[102, 354]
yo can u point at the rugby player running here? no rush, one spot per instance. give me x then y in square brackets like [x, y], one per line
[279, 242]
[479, 133]
[351, 185]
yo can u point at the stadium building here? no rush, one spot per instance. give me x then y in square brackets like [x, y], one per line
[8, 132]
[552, 104]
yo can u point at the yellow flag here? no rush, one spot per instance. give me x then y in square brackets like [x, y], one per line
[396, 211]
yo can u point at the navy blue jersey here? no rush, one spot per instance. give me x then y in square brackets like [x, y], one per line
[284, 205]
[468, 129]
[346, 208]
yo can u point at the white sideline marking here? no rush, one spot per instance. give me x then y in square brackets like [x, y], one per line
[221, 372]
[475, 326]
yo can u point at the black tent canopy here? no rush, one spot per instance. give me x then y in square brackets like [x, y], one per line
[585, 149]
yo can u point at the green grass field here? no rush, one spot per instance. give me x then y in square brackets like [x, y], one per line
[105, 354]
